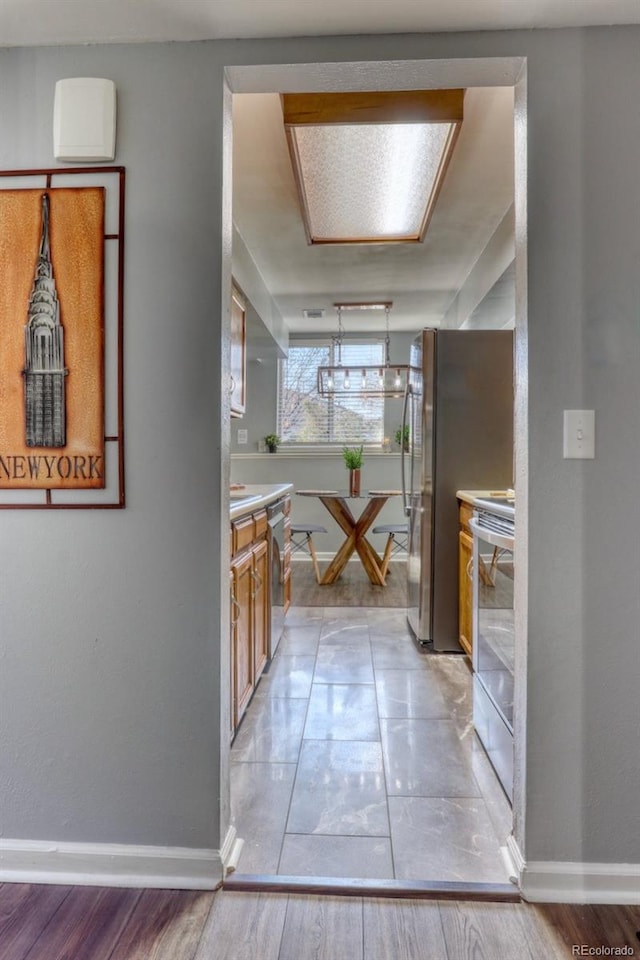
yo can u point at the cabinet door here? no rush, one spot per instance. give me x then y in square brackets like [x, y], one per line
[465, 591]
[260, 599]
[238, 355]
[242, 652]
[234, 609]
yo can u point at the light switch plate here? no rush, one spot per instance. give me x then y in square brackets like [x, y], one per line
[242, 436]
[579, 437]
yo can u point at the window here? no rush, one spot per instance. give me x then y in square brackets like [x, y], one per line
[306, 417]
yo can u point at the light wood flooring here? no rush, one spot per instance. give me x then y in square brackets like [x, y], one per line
[97, 923]
[352, 589]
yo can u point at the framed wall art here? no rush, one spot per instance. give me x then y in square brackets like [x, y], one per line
[61, 338]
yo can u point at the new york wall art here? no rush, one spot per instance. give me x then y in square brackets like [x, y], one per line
[56, 272]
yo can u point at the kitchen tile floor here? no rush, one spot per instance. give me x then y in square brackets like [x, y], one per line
[357, 759]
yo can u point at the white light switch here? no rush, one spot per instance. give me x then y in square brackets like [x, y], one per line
[242, 436]
[579, 440]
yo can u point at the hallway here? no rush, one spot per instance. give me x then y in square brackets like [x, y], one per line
[357, 759]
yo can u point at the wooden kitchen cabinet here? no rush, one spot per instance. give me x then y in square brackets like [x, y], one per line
[465, 580]
[243, 675]
[250, 622]
[238, 354]
[260, 603]
[288, 549]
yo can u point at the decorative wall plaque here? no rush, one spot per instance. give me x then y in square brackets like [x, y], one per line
[61, 264]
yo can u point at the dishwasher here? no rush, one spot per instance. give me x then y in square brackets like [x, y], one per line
[493, 527]
[276, 531]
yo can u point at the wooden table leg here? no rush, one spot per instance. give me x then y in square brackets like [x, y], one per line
[340, 561]
[370, 559]
[341, 513]
[356, 539]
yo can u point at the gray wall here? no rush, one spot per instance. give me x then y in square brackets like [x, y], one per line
[109, 677]
[111, 653]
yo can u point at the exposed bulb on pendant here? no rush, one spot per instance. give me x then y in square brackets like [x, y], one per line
[397, 382]
[364, 379]
[347, 382]
[330, 382]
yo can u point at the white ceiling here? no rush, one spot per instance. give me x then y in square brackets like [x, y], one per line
[423, 279]
[29, 22]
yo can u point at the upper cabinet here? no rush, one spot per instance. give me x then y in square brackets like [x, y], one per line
[238, 353]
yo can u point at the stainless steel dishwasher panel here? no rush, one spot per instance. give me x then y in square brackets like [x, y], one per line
[276, 529]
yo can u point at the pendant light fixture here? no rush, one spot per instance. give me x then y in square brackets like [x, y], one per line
[370, 380]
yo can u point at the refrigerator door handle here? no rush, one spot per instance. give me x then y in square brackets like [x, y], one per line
[405, 407]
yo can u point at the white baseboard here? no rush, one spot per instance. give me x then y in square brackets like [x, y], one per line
[113, 864]
[552, 881]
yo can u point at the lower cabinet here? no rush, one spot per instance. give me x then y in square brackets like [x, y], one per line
[260, 604]
[249, 618]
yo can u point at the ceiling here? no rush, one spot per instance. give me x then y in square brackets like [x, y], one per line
[423, 280]
[30, 22]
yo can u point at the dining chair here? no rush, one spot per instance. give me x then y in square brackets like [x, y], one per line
[304, 532]
[397, 542]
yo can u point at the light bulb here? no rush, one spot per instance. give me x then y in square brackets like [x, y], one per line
[347, 382]
[397, 382]
[381, 377]
[330, 382]
[364, 378]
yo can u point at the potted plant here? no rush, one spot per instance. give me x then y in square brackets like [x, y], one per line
[403, 436]
[272, 440]
[353, 459]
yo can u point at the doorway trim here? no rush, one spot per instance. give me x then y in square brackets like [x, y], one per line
[399, 75]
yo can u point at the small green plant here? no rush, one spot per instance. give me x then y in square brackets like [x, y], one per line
[353, 457]
[402, 436]
[272, 440]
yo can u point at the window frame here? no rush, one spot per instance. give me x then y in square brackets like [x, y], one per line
[331, 445]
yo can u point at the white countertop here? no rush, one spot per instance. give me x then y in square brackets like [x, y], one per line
[255, 496]
[470, 496]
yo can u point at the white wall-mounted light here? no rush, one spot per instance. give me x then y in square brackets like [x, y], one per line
[84, 119]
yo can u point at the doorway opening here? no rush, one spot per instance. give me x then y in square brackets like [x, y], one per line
[289, 764]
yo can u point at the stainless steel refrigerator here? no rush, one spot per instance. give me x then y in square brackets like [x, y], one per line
[459, 409]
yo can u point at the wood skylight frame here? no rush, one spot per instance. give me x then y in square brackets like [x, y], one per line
[304, 111]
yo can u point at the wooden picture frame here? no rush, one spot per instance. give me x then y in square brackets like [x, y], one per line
[238, 353]
[61, 338]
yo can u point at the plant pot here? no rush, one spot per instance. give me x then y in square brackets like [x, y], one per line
[271, 447]
[354, 483]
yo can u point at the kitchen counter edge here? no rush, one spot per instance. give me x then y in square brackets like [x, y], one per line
[262, 495]
[470, 496]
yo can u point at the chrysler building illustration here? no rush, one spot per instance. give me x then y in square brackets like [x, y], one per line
[44, 371]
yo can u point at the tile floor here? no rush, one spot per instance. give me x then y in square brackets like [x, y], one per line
[357, 758]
